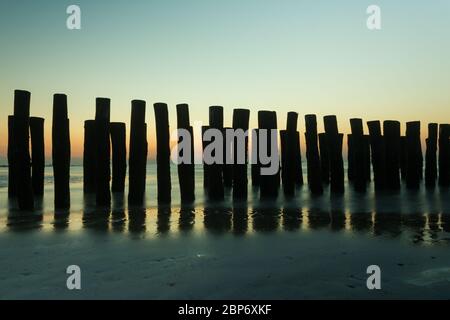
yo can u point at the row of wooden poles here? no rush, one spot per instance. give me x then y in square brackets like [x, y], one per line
[393, 157]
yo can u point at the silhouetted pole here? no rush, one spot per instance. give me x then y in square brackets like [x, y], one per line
[391, 130]
[119, 156]
[215, 175]
[289, 155]
[298, 163]
[227, 168]
[61, 152]
[414, 155]
[350, 158]
[291, 122]
[183, 119]
[216, 117]
[335, 152]
[357, 137]
[103, 152]
[286, 169]
[277, 176]
[186, 171]
[138, 154]
[12, 188]
[430, 156]
[444, 155]
[378, 154]
[324, 158]
[365, 156]
[89, 157]
[312, 155]
[37, 155]
[163, 152]
[21, 153]
[291, 126]
[206, 167]
[288, 164]
[256, 166]
[403, 157]
[269, 184]
[241, 118]
[367, 168]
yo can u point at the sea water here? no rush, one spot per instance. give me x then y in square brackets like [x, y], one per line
[334, 211]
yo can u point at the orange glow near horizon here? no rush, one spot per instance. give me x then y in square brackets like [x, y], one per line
[77, 133]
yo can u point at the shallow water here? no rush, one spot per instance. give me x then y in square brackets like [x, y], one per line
[422, 214]
[308, 247]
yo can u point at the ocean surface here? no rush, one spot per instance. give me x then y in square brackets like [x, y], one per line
[306, 247]
[428, 211]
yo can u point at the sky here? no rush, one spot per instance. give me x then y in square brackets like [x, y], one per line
[310, 56]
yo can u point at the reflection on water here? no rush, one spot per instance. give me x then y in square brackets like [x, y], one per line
[217, 219]
[428, 228]
[421, 216]
[240, 219]
[163, 220]
[186, 220]
[24, 221]
[265, 219]
[136, 220]
[61, 220]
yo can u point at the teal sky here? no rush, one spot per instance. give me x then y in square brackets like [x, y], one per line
[307, 56]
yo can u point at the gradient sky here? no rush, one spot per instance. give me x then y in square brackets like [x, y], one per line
[306, 56]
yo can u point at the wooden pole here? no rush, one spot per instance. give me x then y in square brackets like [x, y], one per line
[61, 152]
[163, 152]
[378, 154]
[138, 154]
[286, 170]
[292, 120]
[227, 168]
[367, 168]
[216, 117]
[103, 152]
[391, 131]
[215, 175]
[335, 151]
[444, 155]
[298, 161]
[291, 126]
[241, 118]
[403, 157]
[37, 155]
[256, 166]
[183, 119]
[277, 177]
[288, 164]
[324, 158]
[119, 156]
[269, 184]
[414, 155]
[430, 156]
[89, 158]
[21, 153]
[350, 158]
[290, 153]
[12, 188]
[186, 171]
[312, 155]
[357, 136]
[206, 167]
